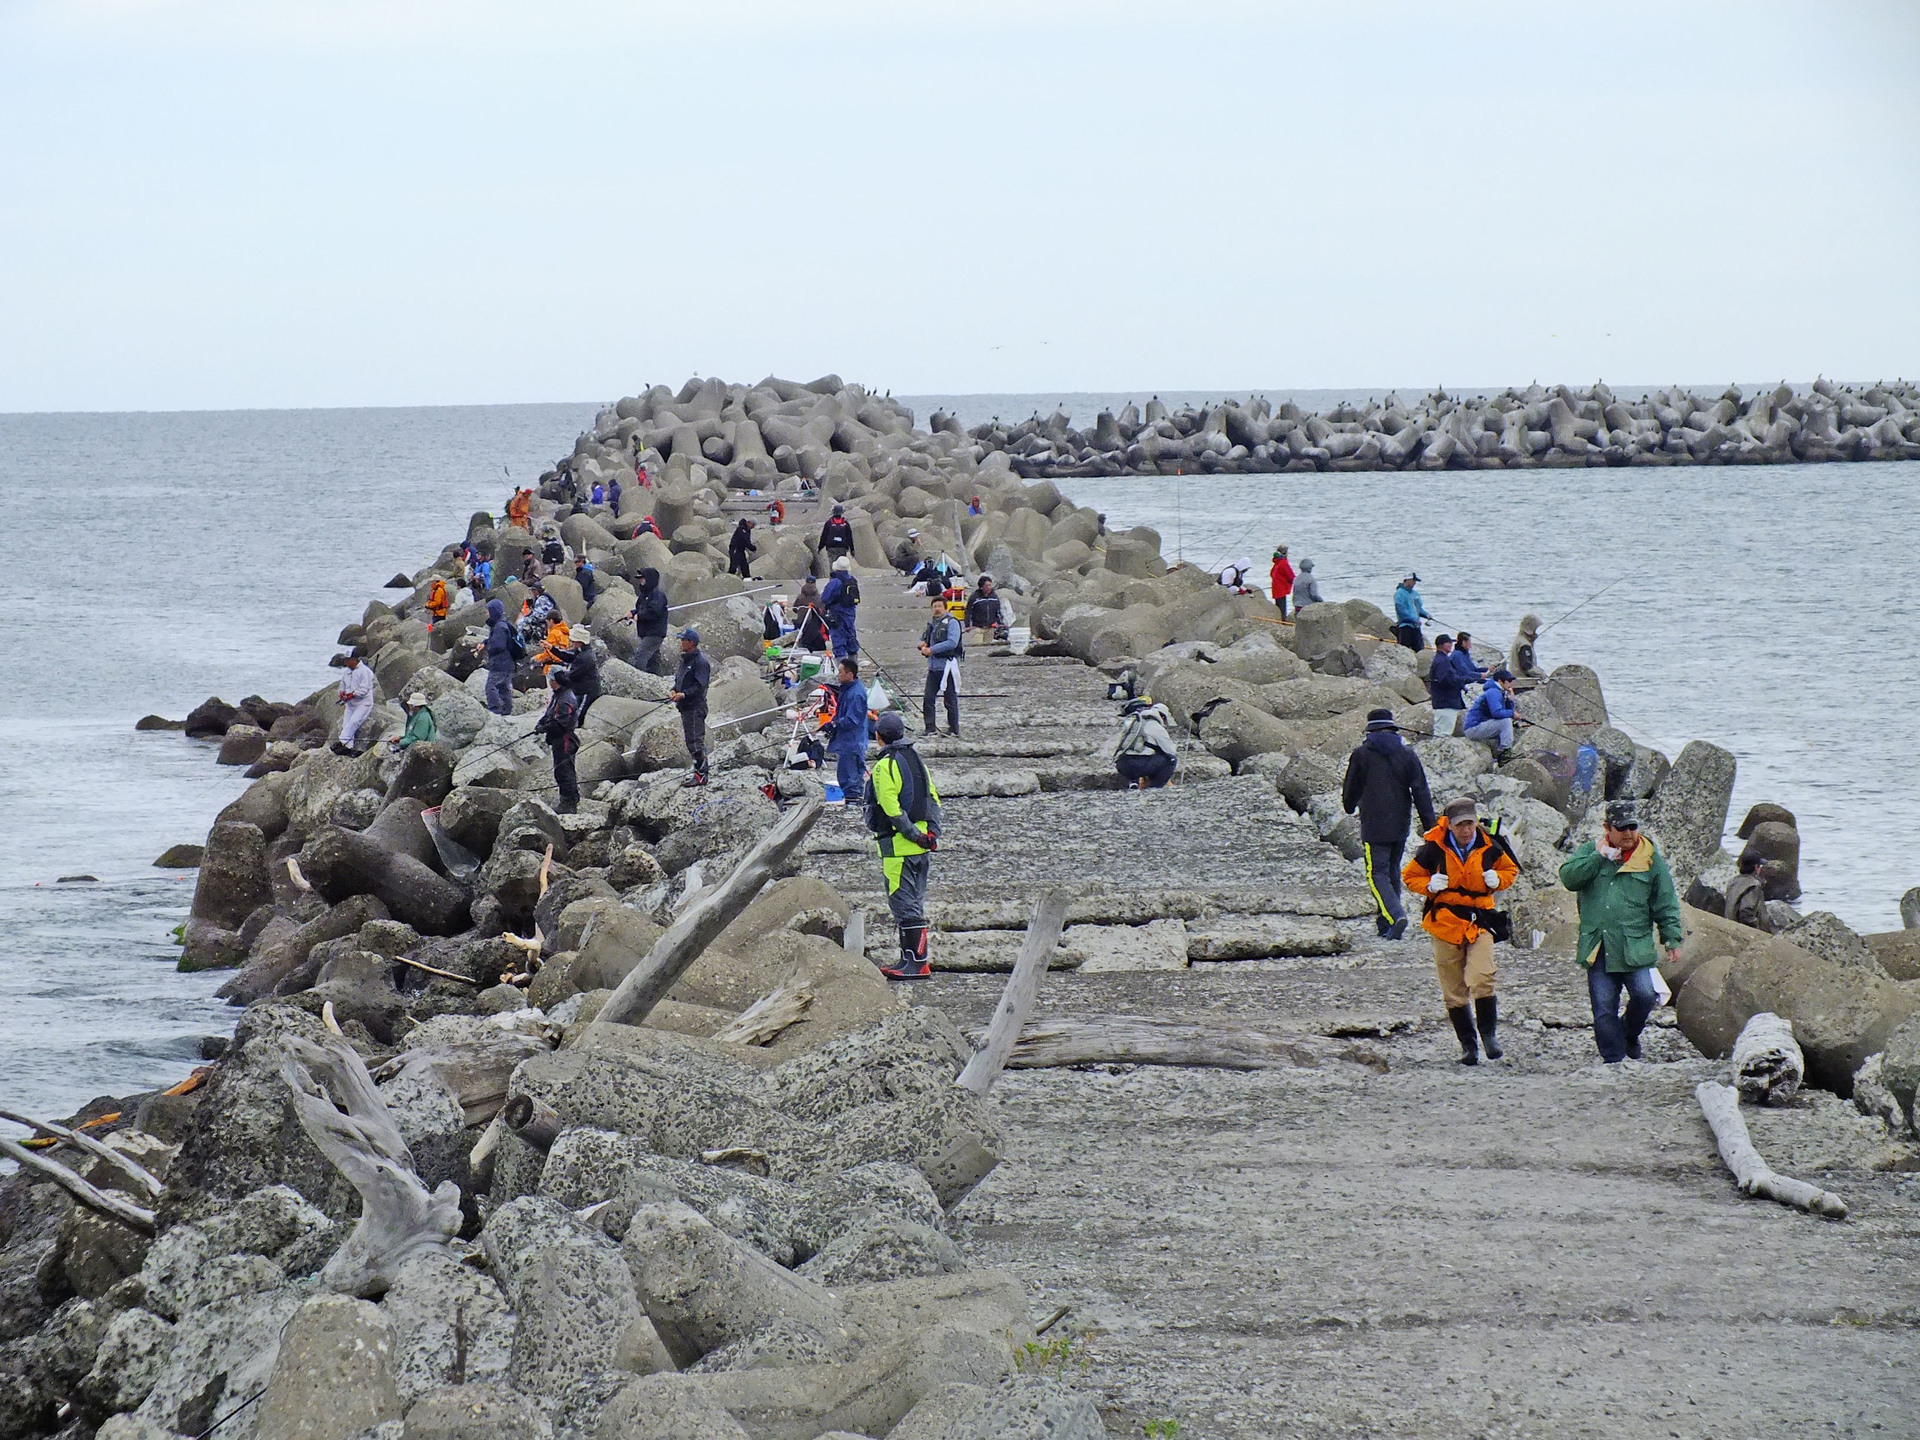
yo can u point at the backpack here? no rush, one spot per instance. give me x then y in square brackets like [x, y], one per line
[851, 588]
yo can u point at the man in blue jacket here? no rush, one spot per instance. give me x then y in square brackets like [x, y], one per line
[848, 735]
[503, 652]
[838, 597]
[1408, 611]
[940, 642]
[1447, 683]
[1491, 718]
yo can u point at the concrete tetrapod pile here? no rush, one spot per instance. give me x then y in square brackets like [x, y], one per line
[1514, 430]
[732, 1218]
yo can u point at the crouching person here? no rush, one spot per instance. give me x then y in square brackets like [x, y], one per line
[1460, 867]
[1143, 751]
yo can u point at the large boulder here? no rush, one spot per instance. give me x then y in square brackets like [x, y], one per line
[1687, 815]
[232, 883]
[340, 863]
[333, 1378]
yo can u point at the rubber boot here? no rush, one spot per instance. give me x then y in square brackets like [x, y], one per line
[1462, 1019]
[912, 964]
[1486, 1012]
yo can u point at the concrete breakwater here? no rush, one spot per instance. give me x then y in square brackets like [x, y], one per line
[748, 1214]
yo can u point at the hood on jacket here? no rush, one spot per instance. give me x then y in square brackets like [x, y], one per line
[1530, 626]
[495, 611]
[647, 579]
[1306, 565]
[1384, 741]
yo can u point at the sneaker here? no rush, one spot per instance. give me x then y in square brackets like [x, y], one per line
[905, 971]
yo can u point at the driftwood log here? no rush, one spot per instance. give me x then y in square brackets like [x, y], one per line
[1016, 1001]
[1767, 1064]
[343, 1114]
[1149, 1040]
[762, 1022]
[105, 1201]
[1721, 1105]
[699, 924]
[127, 1166]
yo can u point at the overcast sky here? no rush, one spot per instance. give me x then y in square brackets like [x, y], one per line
[281, 203]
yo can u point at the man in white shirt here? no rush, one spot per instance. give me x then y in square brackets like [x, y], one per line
[356, 693]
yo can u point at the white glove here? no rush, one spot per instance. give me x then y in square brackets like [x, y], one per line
[1492, 878]
[1609, 852]
[1436, 884]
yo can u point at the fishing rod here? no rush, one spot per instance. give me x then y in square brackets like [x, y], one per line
[1584, 603]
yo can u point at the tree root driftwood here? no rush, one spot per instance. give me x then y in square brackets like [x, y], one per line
[343, 1115]
[1721, 1105]
[1151, 1040]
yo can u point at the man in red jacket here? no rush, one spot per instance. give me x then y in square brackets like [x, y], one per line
[1282, 579]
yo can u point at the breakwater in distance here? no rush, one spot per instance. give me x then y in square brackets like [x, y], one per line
[1518, 429]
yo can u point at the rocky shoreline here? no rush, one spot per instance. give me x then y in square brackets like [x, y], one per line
[743, 1215]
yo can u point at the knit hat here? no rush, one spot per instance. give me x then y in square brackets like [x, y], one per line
[1381, 719]
[839, 509]
[1461, 809]
[1623, 815]
[841, 564]
[892, 727]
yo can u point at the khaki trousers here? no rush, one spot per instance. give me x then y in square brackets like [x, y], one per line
[1466, 971]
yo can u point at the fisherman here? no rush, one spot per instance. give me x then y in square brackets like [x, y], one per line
[647, 525]
[553, 554]
[689, 696]
[1490, 719]
[848, 735]
[906, 555]
[439, 601]
[1461, 867]
[1409, 611]
[537, 610]
[613, 495]
[560, 723]
[839, 599]
[836, 536]
[420, 724]
[1306, 589]
[1463, 657]
[1143, 751]
[582, 669]
[739, 546]
[588, 578]
[1447, 685]
[356, 693]
[597, 495]
[529, 566]
[1626, 893]
[480, 573]
[1746, 896]
[942, 642]
[776, 512]
[903, 814]
[504, 650]
[930, 578]
[1384, 782]
[1522, 660]
[554, 644]
[649, 616]
[986, 611]
[520, 509]
[809, 619]
[1282, 579]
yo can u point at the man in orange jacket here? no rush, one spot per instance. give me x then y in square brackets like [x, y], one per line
[1460, 867]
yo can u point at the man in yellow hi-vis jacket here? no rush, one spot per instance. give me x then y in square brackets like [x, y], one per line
[903, 814]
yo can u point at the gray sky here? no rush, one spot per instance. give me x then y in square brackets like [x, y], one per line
[276, 202]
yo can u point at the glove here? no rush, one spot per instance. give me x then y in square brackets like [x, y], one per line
[1492, 878]
[1436, 884]
[928, 839]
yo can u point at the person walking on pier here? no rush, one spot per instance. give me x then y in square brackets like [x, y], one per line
[649, 616]
[1626, 894]
[560, 724]
[739, 546]
[503, 653]
[836, 536]
[1461, 867]
[903, 815]
[1385, 783]
[838, 599]
[356, 693]
[1282, 578]
[943, 645]
[689, 696]
[848, 735]
[1409, 611]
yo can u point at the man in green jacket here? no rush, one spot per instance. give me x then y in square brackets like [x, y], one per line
[1626, 893]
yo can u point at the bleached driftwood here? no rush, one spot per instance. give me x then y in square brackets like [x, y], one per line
[687, 938]
[1767, 1064]
[128, 1166]
[1721, 1105]
[398, 1217]
[1016, 1001]
[1148, 1040]
[105, 1201]
[761, 1022]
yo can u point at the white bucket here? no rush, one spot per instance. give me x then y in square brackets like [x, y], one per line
[1019, 638]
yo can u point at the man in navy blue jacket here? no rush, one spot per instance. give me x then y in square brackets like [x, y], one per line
[1447, 683]
[941, 644]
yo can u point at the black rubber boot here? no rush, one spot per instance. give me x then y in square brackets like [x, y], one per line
[1486, 1011]
[1463, 1027]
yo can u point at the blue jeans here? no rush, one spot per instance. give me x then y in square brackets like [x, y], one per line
[1614, 1034]
[500, 691]
[1500, 732]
